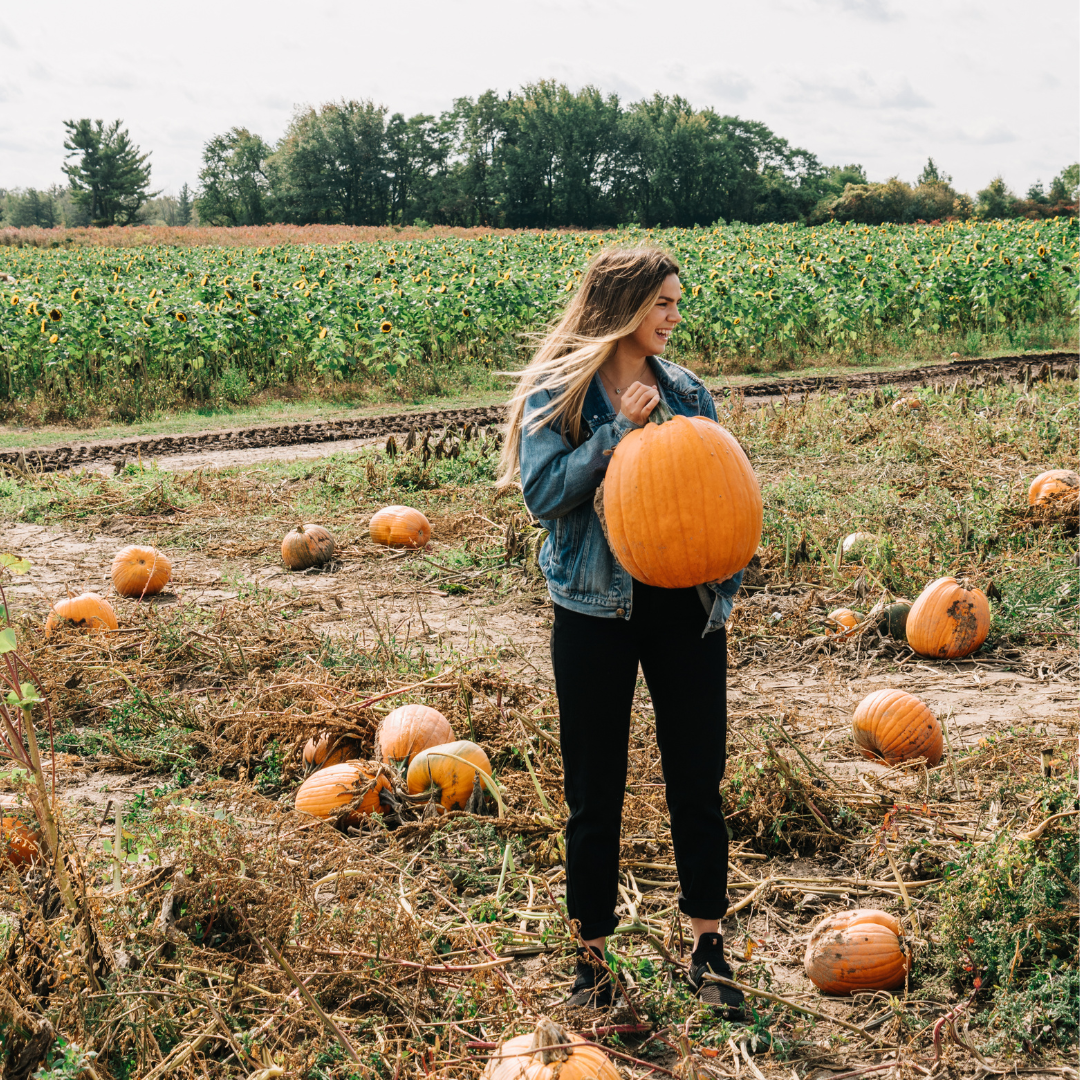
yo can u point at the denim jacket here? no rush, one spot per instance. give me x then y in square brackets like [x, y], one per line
[558, 482]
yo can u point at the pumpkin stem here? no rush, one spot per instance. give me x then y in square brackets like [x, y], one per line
[549, 1042]
[661, 413]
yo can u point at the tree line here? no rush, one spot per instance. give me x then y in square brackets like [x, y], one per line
[541, 157]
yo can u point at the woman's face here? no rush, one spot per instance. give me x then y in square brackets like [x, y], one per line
[652, 335]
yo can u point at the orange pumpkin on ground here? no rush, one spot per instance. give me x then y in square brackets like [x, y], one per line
[896, 726]
[1051, 483]
[681, 503]
[842, 622]
[949, 619]
[400, 526]
[549, 1053]
[906, 405]
[408, 730]
[88, 611]
[857, 950]
[307, 546]
[140, 571]
[327, 790]
[18, 842]
[326, 749]
[447, 772]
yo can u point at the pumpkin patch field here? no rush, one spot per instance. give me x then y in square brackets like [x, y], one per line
[303, 732]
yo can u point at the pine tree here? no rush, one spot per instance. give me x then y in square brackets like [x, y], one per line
[183, 206]
[110, 177]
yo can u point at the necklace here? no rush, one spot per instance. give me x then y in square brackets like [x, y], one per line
[620, 390]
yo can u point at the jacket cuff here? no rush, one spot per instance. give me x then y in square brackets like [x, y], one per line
[622, 425]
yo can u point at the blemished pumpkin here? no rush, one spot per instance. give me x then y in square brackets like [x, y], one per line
[949, 619]
[408, 730]
[140, 571]
[857, 950]
[328, 789]
[307, 546]
[1051, 483]
[549, 1053]
[842, 622]
[87, 611]
[400, 526]
[326, 749]
[447, 772]
[892, 619]
[18, 842]
[895, 726]
[682, 505]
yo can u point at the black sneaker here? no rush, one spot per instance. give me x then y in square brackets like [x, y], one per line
[726, 1001]
[592, 987]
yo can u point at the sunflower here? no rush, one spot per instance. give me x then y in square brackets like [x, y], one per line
[466, 313]
[181, 317]
[695, 290]
[869, 258]
[736, 321]
[44, 325]
[147, 321]
[386, 326]
[205, 281]
[76, 294]
[1042, 250]
[53, 339]
[322, 333]
[56, 314]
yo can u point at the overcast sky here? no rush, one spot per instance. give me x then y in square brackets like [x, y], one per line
[983, 87]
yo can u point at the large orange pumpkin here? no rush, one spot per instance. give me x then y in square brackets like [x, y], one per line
[549, 1053]
[1051, 483]
[87, 611]
[857, 950]
[328, 790]
[306, 546]
[140, 571]
[949, 619]
[410, 729]
[325, 749]
[896, 726]
[681, 503]
[400, 526]
[18, 842]
[447, 772]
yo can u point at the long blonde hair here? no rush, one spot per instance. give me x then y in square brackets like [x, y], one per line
[618, 290]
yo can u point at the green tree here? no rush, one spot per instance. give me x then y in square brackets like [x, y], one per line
[29, 208]
[234, 186]
[183, 206]
[995, 200]
[1064, 187]
[931, 174]
[109, 177]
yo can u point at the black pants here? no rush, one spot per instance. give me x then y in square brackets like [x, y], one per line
[596, 663]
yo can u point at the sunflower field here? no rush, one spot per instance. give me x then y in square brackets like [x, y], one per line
[92, 318]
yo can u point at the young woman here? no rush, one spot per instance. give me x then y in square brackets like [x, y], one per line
[596, 376]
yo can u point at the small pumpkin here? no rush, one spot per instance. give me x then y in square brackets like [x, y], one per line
[140, 571]
[410, 729]
[857, 950]
[307, 546]
[327, 749]
[842, 622]
[892, 619]
[88, 611]
[906, 405]
[400, 526]
[857, 544]
[327, 790]
[1051, 483]
[682, 505]
[949, 619]
[447, 772]
[18, 842]
[896, 726]
[549, 1053]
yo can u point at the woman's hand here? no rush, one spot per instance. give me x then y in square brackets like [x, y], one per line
[638, 402]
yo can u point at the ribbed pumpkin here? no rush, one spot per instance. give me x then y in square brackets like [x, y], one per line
[307, 546]
[842, 622]
[140, 571]
[327, 790]
[441, 772]
[410, 729]
[549, 1053]
[325, 749]
[949, 619]
[18, 842]
[1051, 483]
[856, 950]
[892, 619]
[896, 726]
[681, 503]
[88, 611]
[400, 526]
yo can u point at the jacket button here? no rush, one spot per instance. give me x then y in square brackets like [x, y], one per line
[620, 612]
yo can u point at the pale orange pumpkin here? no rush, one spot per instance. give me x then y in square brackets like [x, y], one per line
[896, 726]
[857, 950]
[682, 504]
[140, 571]
[325, 749]
[549, 1053]
[906, 405]
[842, 622]
[88, 611]
[1051, 483]
[949, 619]
[410, 729]
[327, 790]
[447, 772]
[18, 842]
[307, 546]
[400, 526]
